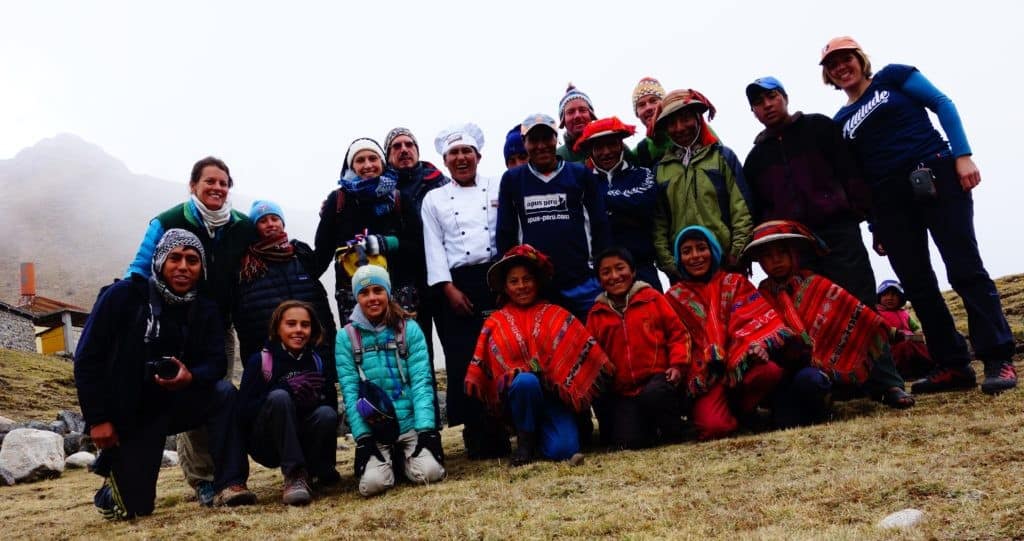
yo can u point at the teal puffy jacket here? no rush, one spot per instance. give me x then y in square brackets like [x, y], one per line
[414, 405]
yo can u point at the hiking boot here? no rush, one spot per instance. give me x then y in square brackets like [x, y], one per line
[234, 495]
[999, 376]
[296, 490]
[945, 378]
[328, 478]
[576, 459]
[525, 444]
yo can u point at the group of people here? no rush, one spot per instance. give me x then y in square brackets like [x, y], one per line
[544, 289]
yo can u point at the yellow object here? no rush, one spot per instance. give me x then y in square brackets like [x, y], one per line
[353, 257]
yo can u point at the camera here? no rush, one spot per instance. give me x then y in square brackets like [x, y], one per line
[163, 368]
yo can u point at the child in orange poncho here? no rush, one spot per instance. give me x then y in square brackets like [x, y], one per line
[848, 342]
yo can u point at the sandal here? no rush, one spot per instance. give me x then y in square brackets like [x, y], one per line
[896, 398]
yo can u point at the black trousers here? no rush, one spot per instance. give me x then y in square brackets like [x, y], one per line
[134, 464]
[459, 335]
[651, 417]
[282, 436]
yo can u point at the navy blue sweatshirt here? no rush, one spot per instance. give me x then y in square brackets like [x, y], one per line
[629, 199]
[564, 218]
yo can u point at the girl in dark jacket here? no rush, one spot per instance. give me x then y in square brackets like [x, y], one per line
[288, 404]
[275, 269]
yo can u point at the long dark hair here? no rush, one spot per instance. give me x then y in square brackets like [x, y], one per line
[316, 330]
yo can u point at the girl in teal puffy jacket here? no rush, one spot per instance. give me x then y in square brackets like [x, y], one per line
[401, 369]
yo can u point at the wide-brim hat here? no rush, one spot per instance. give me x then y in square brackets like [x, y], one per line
[779, 230]
[678, 100]
[604, 127]
[518, 255]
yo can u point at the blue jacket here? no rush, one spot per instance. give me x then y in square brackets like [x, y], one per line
[111, 355]
[413, 394]
[630, 198]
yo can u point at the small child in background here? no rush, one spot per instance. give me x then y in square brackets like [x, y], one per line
[908, 348]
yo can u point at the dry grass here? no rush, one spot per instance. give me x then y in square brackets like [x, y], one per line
[956, 456]
[35, 386]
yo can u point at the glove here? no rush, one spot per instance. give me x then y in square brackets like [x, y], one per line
[431, 441]
[305, 388]
[366, 447]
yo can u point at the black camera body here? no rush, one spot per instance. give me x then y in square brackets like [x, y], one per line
[922, 183]
[163, 368]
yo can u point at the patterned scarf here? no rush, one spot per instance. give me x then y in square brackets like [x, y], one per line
[213, 219]
[845, 336]
[377, 192]
[545, 340]
[725, 316]
[275, 249]
[159, 291]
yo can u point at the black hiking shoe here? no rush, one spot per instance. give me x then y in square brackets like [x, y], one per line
[945, 378]
[999, 376]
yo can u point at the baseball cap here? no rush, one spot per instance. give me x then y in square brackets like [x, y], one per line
[762, 84]
[842, 43]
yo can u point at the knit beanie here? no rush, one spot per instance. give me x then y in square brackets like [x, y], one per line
[370, 275]
[648, 86]
[262, 208]
[396, 133]
[174, 238]
[363, 143]
[514, 142]
[573, 93]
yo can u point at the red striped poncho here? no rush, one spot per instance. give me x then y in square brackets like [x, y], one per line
[725, 317]
[845, 336]
[543, 339]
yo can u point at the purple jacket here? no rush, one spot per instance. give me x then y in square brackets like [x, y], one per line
[806, 172]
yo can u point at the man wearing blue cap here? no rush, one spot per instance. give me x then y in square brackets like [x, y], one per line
[801, 169]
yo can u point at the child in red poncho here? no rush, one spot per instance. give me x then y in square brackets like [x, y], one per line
[849, 342]
[734, 335]
[534, 362]
[650, 349]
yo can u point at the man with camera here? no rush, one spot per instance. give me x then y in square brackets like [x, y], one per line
[149, 364]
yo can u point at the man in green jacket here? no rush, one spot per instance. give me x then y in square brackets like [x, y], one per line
[700, 182]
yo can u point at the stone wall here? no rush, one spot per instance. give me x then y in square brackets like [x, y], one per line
[16, 332]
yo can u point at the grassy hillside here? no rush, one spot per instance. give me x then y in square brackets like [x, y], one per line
[35, 386]
[956, 456]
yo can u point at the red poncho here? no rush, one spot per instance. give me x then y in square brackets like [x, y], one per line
[543, 339]
[845, 336]
[725, 317]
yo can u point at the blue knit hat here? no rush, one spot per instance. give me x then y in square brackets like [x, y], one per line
[371, 275]
[261, 208]
[514, 142]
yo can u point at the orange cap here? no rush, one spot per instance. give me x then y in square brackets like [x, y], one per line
[842, 43]
[601, 128]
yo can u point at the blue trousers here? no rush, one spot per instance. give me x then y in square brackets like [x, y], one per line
[535, 411]
[800, 398]
[903, 225]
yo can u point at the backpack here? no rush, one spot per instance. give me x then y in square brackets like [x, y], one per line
[373, 404]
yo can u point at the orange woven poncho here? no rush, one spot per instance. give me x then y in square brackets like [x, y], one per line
[845, 336]
[543, 339]
[725, 316]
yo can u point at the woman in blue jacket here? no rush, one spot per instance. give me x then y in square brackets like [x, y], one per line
[921, 185]
[385, 348]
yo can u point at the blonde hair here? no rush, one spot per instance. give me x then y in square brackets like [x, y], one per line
[865, 66]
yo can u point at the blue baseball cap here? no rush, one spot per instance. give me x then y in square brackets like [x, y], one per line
[763, 84]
